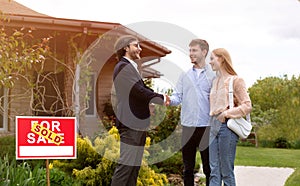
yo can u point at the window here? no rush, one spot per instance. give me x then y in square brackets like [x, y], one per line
[91, 102]
[49, 99]
[2, 104]
[3, 113]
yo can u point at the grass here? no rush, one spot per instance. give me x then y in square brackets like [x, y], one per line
[269, 157]
[246, 156]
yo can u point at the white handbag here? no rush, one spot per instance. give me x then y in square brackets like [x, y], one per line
[240, 126]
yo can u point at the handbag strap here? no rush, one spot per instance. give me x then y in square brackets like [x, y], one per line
[230, 92]
[230, 95]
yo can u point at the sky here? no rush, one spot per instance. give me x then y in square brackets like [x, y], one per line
[262, 36]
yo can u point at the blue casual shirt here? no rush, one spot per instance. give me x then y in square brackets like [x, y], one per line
[192, 92]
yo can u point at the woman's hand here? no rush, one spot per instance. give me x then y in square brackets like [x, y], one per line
[221, 117]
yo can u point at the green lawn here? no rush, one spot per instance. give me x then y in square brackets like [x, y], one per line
[271, 157]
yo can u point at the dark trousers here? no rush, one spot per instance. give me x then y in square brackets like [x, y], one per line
[192, 139]
[132, 144]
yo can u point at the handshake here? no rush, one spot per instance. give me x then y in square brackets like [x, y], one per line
[167, 100]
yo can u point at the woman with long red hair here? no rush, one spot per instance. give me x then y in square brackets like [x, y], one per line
[223, 141]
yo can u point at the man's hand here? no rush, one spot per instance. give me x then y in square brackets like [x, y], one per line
[168, 100]
[152, 109]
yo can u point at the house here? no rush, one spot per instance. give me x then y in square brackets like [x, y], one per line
[81, 49]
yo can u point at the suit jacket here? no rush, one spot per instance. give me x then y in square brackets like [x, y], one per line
[133, 97]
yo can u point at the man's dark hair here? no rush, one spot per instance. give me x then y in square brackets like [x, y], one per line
[121, 43]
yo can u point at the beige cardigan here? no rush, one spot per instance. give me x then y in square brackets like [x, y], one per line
[219, 100]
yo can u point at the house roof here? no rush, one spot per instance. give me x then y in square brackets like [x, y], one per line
[22, 16]
[13, 7]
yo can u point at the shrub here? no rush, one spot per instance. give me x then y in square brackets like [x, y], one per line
[245, 143]
[8, 147]
[86, 156]
[172, 165]
[266, 143]
[164, 122]
[12, 173]
[148, 176]
[99, 176]
[281, 143]
[295, 144]
[22, 173]
[60, 178]
[105, 146]
[106, 150]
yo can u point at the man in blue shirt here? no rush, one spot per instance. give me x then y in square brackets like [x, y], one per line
[192, 92]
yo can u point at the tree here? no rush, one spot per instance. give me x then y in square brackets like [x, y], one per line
[18, 56]
[24, 58]
[268, 93]
[276, 104]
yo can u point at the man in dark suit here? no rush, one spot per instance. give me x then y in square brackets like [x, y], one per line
[133, 114]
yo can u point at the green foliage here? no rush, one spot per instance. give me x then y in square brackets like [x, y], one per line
[98, 176]
[148, 82]
[268, 93]
[271, 157]
[60, 178]
[12, 173]
[164, 122]
[276, 104]
[295, 144]
[97, 161]
[109, 112]
[294, 179]
[18, 53]
[8, 147]
[147, 176]
[89, 167]
[172, 165]
[108, 145]
[165, 133]
[266, 143]
[86, 156]
[245, 143]
[282, 143]
[26, 56]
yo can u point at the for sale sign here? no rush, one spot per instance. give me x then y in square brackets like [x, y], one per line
[45, 137]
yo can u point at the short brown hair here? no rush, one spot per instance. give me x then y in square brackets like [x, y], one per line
[202, 44]
[121, 43]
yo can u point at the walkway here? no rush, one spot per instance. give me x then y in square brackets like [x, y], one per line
[261, 176]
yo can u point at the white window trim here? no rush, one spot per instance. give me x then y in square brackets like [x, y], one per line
[5, 111]
[93, 91]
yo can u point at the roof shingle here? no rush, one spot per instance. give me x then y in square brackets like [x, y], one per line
[14, 8]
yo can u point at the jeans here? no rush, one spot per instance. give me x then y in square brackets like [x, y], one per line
[222, 152]
[192, 139]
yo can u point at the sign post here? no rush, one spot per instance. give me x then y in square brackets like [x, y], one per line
[45, 138]
[47, 172]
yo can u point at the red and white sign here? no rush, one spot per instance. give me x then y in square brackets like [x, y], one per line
[45, 137]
